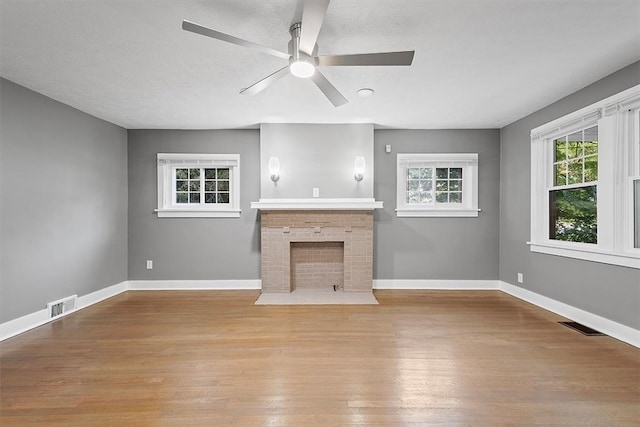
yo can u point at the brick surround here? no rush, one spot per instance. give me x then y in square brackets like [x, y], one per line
[282, 230]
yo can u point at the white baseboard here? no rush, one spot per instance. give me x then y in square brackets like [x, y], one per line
[22, 324]
[609, 327]
[606, 326]
[102, 294]
[436, 284]
[176, 285]
[33, 320]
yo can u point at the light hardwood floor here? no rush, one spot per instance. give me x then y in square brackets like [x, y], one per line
[420, 358]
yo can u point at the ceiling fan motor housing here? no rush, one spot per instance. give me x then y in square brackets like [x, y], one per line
[294, 47]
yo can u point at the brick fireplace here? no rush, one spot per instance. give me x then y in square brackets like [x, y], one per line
[302, 249]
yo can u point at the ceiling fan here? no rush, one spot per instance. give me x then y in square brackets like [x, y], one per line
[303, 53]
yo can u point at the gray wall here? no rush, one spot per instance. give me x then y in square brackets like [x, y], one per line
[316, 156]
[192, 248]
[63, 196]
[228, 248]
[437, 248]
[609, 291]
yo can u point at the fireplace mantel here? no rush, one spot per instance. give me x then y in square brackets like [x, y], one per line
[359, 204]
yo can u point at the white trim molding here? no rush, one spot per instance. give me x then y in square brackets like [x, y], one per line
[183, 213]
[617, 119]
[435, 284]
[356, 204]
[416, 213]
[25, 323]
[606, 326]
[190, 285]
[33, 320]
[166, 170]
[467, 183]
[627, 99]
[569, 250]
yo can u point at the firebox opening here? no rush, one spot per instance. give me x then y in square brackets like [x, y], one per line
[317, 265]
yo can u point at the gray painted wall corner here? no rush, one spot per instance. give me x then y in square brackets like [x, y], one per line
[63, 186]
[192, 248]
[609, 291]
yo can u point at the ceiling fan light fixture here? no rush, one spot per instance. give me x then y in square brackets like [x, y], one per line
[302, 69]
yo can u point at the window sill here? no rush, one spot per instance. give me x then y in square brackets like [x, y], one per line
[588, 254]
[413, 212]
[193, 213]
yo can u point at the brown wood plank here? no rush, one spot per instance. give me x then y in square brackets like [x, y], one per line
[443, 358]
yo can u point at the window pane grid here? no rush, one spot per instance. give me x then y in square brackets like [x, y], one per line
[419, 186]
[216, 185]
[573, 198]
[576, 158]
[448, 185]
[188, 185]
[421, 182]
[573, 214]
[202, 186]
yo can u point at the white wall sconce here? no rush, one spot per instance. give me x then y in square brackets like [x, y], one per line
[358, 168]
[274, 168]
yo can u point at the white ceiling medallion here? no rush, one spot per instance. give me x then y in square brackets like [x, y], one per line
[365, 92]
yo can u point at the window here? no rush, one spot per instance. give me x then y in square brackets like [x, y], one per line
[585, 169]
[195, 186]
[635, 179]
[636, 216]
[572, 198]
[437, 185]
[198, 185]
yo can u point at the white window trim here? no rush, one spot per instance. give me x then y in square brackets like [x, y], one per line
[634, 174]
[618, 165]
[467, 161]
[166, 206]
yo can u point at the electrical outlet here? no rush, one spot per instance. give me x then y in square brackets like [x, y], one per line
[149, 264]
[387, 148]
[316, 192]
[520, 278]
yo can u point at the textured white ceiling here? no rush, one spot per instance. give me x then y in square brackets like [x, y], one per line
[478, 63]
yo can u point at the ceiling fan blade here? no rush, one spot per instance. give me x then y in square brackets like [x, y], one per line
[264, 83]
[312, 17]
[380, 58]
[328, 89]
[199, 29]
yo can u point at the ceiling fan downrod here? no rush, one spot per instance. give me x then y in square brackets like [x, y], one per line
[300, 64]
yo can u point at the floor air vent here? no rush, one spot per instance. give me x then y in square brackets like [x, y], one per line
[62, 306]
[584, 330]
